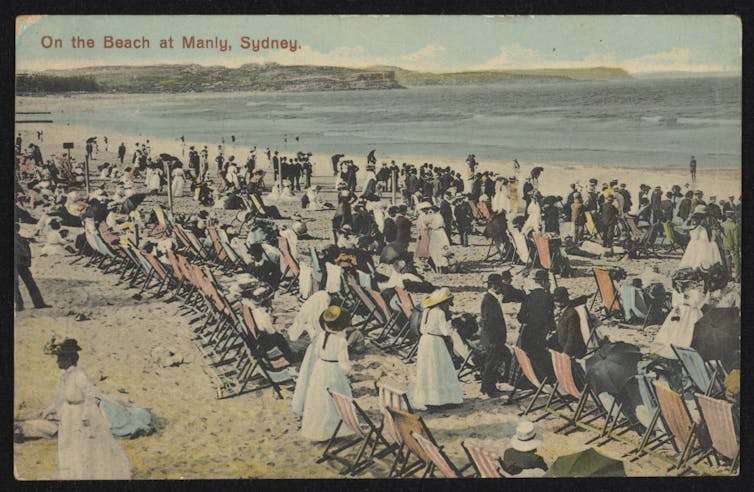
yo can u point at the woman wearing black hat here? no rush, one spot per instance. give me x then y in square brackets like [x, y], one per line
[86, 448]
[330, 371]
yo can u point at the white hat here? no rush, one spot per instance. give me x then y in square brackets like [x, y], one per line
[424, 205]
[524, 440]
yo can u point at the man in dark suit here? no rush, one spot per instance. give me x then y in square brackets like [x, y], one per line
[510, 293]
[569, 338]
[403, 230]
[446, 211]
[23, 272]
[389, 229]
[464, 219]
[492, 335]
[537, 322]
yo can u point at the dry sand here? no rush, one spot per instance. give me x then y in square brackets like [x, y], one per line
[256, 435]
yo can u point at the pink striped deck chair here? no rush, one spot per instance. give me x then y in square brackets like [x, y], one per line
[677, 419]
[484, 211]
[220, 253]
[719, 418]
[389, 316]
[563, 368]
[273, 369]
[486, 463]
[608, 293]
[524, 363]
[390, 397]
[367, 435]
[363, 300]
[291, 265]
[438, 460]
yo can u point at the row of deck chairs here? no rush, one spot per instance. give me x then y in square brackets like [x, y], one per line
[713, 436]
[225, 334]
[402, 445]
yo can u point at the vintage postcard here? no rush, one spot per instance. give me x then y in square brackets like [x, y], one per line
[377, 246]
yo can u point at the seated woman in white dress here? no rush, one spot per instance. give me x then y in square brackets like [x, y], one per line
[702, 251]
[331, 368]
[436, 381]
[678, 329]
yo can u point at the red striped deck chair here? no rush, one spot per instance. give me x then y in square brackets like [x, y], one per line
[389, 315]
[233, 259]
[407, 425]
[527, 370]
[390, 397]
[291, 265]
[677, 419]
[163, 274]
[477, 214]
[542, 243]
[484, 211]
[393, 336]
[196, 246]
[608, 293]
[368, 436]
[720, 421]
[563, 368]
[486, 463]
[438, 460]
[272, 368]
[365, 301]
[220, 253]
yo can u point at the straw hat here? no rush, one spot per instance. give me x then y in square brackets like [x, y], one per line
[437, 297]
[525, 438]
[335, 319]
[344, 259]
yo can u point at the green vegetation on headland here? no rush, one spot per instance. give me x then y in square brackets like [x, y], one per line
[274, 77]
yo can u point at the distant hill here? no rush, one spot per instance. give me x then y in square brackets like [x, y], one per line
[274, 77]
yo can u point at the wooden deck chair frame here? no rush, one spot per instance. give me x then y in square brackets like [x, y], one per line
[526, 369]
[407, 424]
[364, 300]
[402, 345]
[644, 238]
[468, 367]
[669, 236]
[396, 330]
[258, 361]
[195, 245]
[675, 414]
[486, 463]
[717, 416]
[590, 227]
[605, 285]
[562, 364]
[369, 438]
[438, 460]
[544, 254]
[588, 328]
[219, 253]
[234, 259]
[688, 356]
[390, 397]
[291, 265]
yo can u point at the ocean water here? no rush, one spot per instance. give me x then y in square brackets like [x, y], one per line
[634, 122]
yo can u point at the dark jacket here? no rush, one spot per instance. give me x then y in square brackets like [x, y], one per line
[464, 217]
[389, 230]
[684, 208]
[609, 215]
[515, 461]
[537, 313]
[570, 340]
[512, 294]
[403, 230]
[22, 251]
[446, 211]
[492, 330]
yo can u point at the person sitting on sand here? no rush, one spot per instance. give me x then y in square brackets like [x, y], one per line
[521, 457]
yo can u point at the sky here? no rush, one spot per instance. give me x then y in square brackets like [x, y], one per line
[639, 44]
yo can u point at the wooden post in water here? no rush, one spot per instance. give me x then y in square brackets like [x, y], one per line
[394, 179]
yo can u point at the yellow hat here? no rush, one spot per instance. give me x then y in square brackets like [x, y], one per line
[437, 297]
[335, 319]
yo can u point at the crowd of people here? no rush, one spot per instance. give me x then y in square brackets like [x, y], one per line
[389, 248]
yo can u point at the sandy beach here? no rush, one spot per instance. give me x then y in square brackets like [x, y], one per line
[255, 434]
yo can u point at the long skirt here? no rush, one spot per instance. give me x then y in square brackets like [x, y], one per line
[422, 244]
[320, 417]
[436, 380]
[304, 376]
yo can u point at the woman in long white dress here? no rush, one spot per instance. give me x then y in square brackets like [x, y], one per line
[534, 218]
[702, 251]
[678, 328]
[422, 225]
[436, 380]
[86, 447]
[309, 321]
[152, 180]
[501, 201]
[438, 241]
[330, 370]
[178, 182]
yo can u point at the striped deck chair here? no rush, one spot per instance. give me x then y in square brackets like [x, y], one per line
[220, 255]
[670, 238]
[527, 370]
[591, 227]
[407, 425]
[477, 214]
[486, 463]
[542, 243]
[390, 397]
[397, 326]
[521, 246]
[195, 245]
[368, 435]
[484, 211]
[233, 258]
[317, 273]
[273, 367]
[291, 265]
[438, 460]
[164, 276]
[699, 374]
[468, 365]
[402, 344]
[608, 293]
[721, 423]
[641, 242]
[588, 328]
[366, 301]
[679, 422]
[563, 367]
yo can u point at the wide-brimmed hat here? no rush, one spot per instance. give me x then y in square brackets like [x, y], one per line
[335, 319]
[525, 439]
[437, 297]
[67, 346]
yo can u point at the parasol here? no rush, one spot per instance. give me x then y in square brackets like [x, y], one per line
[717, 335]
[611, 366]
[586, 463]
